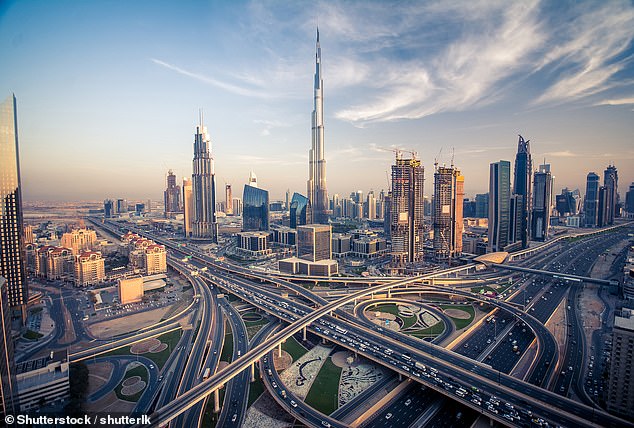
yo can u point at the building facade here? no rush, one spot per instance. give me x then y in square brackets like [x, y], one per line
[522, 186]
[108, 208]
[54, 263]
[43, 382]
[499, 205]
[447, 213]
[12, 264]
[188, 208]
[406, 211]
[130, 290]
[155, 259]
[591, 201]
[203, 186]
[317, 191]
[620, 388]
[300, 211]
[89, 268]
[172, 196]
[314, 242]
[8, 385]
[79, 240]
[255, 209]
[540, 218]
[228, 200]
[629, 200]
[611, 184]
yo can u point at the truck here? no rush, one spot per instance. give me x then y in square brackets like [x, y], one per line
[420, 366]
[206, 373]
[283, 393]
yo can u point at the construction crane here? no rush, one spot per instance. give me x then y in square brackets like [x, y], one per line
[398, 152]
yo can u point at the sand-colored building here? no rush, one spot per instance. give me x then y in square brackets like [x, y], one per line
[130, 290]
[89, 268]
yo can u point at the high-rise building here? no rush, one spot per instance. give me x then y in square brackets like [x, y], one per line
[406, 211]
[122, 206]
[228, 200]
[371, 203]
[12, 263]
[108, 208]
[611, 183]
[620, 385]
[317, 192]
[172, 196]
[155, 259]
[288, 200]
[629, 200]
[602, 207]
[29, 238]
[565, 203]
[522, 188]
[237, 206]
[188, 208]
[499, 205]
[139, 208]
[253, 179]
[8, 384]
[203, 186]
[447, 212]
[314, 242]
[591, 202]
[482, 205]
[301, 211]
[54, 262]
[255, 209]
[540, 218]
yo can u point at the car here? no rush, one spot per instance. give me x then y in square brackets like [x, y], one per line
[151, 366]
[408, 402]
[293, 403]
[388, 416]
[234, 417]
[325, 423]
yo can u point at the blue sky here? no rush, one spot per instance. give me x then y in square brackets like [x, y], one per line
[109, 91]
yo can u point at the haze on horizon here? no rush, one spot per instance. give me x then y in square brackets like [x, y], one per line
[108, 92]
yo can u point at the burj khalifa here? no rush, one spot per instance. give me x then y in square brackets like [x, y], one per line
[317, 192]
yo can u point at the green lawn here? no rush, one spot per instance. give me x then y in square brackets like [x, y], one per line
[323, 394]
[434, 331]
[391, 308]
[171, 338]
[459, 322]
[140, 371]
[294, 348]
[32, 335]
[227, 348]
[256, 389]
[485, 288]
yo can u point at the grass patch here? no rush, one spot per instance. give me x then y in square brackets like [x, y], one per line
[391, 308]
[140, 371]
[459, 322]
[293, 347]
[227, 347]
[323, 394]
[485, 288]
[256, 389]
[433, 331]
[210, 419]
[171, 338]
[32, 335]
[253, 330]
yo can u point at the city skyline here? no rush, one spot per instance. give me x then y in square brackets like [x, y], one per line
[118, 99]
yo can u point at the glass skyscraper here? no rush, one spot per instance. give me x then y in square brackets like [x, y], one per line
[591, 202]
[301, 211]
[255, 209]
[522, 187]
[499, 205]
[12, 266]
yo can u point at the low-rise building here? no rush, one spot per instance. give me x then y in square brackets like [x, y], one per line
[43, 381]
[130, 290]
[53, 262]
[79, 240]
[294, 266]
[369, 247]
[341, 244]
[253, 244]
[155, 259]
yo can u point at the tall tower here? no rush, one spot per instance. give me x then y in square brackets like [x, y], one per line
[317, 193]
[172, 195]
[12, 266]
[406, 211]
[447, 212]
[203, 186]
[228, 200]
[522, 187]
[188, 208]
[611, 183]
[591, 202]
[8, 385]
[542, 189]
[499, 205]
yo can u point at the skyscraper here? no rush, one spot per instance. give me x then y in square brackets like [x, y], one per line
[482, 205]
[300, 212]
[8, 385]
[629, 200]
[540, 218]
[371, 203]
[314, 242]
[406, 211]
[12, 266]
[228, 200]
[447, 212]
[255, 209]
[317, 193]
[203, 186]
[172, 196]
[108, 208]
[253, 179]
[591, 202]
[188, 208]
[611, 183]
[522, 188]
[499, 205]
[122, 206]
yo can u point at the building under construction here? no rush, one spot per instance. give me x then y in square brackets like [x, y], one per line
[447, 213]
[406, 211]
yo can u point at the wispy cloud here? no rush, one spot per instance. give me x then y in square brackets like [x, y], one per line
[616, 102]
[235, 89]
[561, 154]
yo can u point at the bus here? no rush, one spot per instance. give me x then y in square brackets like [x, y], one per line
[340, 330]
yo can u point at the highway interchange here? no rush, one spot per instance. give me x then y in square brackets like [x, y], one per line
[451, 371]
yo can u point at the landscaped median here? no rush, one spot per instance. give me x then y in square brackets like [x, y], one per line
[324, 392]
[156, 349]
[133, 383]
[461, 315]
